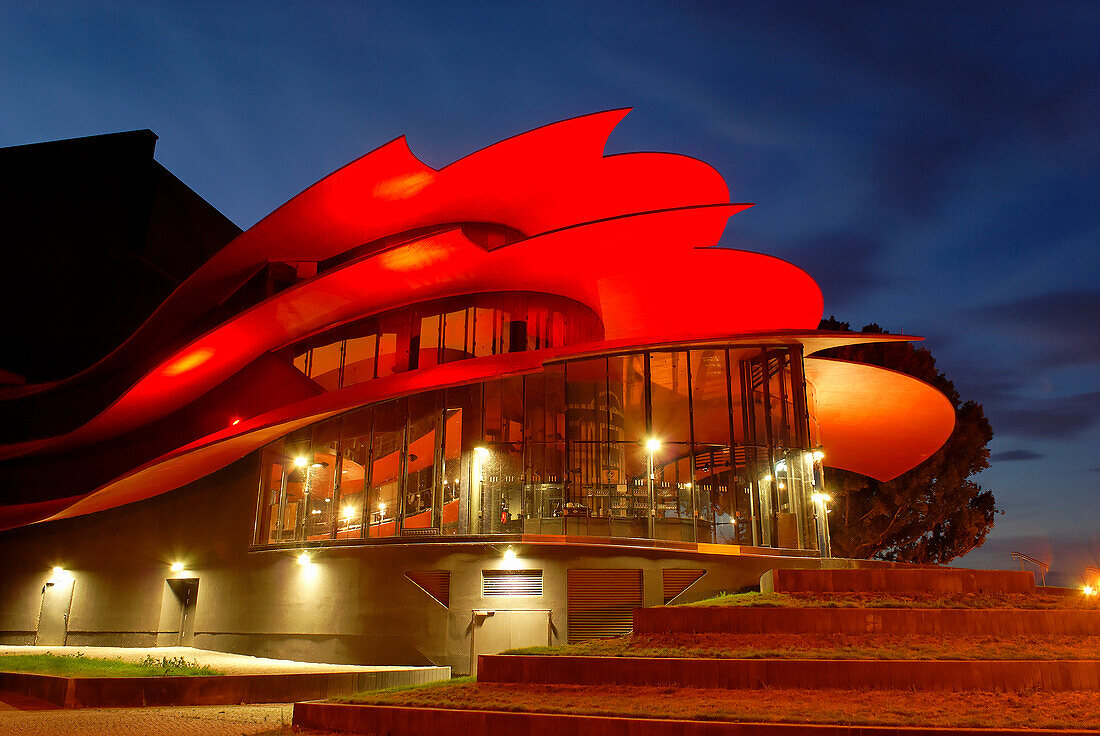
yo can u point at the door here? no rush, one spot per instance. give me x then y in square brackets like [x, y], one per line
[53, 620]
[496, 631]
[188, 597]
[177, 613]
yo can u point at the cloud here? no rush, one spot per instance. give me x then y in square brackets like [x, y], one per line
[1062, 323]
[1056, 418]
[1014, 455]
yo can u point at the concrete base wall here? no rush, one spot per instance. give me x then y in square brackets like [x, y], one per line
[354, 605]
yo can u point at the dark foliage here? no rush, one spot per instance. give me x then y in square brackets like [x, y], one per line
[932, 513]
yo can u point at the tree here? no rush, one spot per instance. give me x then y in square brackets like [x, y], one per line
[932, 513]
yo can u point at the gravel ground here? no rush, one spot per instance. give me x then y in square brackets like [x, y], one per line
[199, 720]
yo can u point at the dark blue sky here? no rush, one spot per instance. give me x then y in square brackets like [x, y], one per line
[934, 167]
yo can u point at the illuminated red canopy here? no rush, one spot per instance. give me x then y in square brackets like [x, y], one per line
[631, 236]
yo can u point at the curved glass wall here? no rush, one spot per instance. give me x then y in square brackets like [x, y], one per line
[442, 331]
[696, 445]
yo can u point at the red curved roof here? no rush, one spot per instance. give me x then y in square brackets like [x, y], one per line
[631, 236]
[875, 421]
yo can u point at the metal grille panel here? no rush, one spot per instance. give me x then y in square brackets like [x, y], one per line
[676, 582]
[436, 583]
[511, 583]
[602, 603]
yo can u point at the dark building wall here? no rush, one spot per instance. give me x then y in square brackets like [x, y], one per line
[96, 235]
[353, 605]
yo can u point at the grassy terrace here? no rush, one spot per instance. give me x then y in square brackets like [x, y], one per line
[80, 666]
[880, 707]
[1037, 601]
[830, 646]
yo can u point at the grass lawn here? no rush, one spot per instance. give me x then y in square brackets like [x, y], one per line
[77, 665]
[1037, 601]
[831, 646]
[880, 707]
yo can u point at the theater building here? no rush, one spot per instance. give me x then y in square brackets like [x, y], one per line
[417, 414]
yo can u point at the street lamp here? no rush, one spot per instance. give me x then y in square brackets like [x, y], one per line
[651, 445]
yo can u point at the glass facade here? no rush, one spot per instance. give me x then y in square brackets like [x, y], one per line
[708, 445]
[441, 332]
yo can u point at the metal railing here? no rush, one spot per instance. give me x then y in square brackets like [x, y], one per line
[1043, 567]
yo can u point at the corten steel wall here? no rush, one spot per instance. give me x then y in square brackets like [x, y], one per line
[353, 605]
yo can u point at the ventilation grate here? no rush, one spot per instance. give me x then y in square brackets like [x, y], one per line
[511, 583]
[602, 603]
[676, 582]
[436, 583]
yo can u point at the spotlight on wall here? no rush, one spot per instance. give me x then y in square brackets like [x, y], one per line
[509, 554]
[176, 567]
[818, 454]
[821, 497]
[481, 453]
[59, 574]
[301, 461]
[349, 511]
[304, 560]
[653, 444]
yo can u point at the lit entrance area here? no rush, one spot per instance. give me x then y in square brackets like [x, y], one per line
[53, 617]
[495, 631]
[177, 613]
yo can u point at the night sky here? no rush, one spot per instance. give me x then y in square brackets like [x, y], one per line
[934, 168]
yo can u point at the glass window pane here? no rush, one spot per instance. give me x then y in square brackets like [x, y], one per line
[626, 398]
[297, 485]
[454, 336]
[387, 354]
[420, 508]
[709, 402]
[301, 362]
[388, 444]
[325, 365]
[359, 353]
[272, 465]
[669, 396]
[354, 463]
[428, 343]
[453, 487]
[320, 480]
[484, 331]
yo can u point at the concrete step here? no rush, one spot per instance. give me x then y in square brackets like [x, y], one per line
[802, 674]
[406, 721]
[897, 621]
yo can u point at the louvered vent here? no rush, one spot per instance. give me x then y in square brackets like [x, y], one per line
[602, 603]
[677, 581]
[511, 583]
[436, 583]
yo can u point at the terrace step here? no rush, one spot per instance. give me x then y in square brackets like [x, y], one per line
[802, 674]
[408, 721]
[899, 621]
[897, 580]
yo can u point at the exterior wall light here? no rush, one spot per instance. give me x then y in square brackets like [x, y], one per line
[481, 453]
[509, 554]
[59, 574]
[176, 567]
[818, 454]
[821, 497]
[300, 461]
[653, 444]
[349, 511]
[304, 560]
[1088, 590]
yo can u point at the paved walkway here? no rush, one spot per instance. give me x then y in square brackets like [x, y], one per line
[201, 720]
[230, 664]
